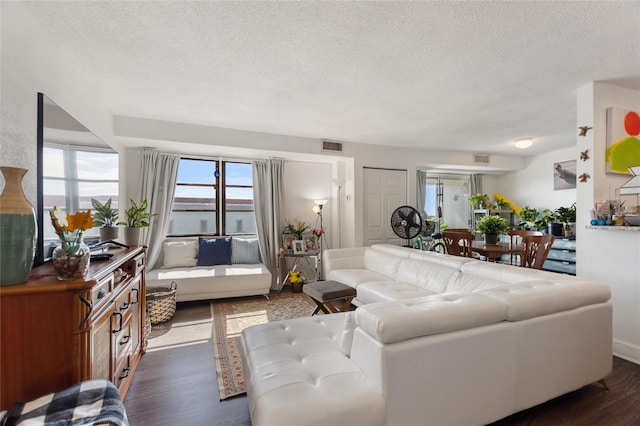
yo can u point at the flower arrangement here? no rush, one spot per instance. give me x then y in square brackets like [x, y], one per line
[297, 228]
[479, 200]
[70, 230]
[318, 232]
[296, 277]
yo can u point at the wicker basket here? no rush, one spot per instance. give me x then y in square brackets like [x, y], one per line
[161, 303]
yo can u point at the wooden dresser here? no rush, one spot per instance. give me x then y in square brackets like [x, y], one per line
[57, 333]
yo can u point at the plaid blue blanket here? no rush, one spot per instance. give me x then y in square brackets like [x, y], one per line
[94, 402]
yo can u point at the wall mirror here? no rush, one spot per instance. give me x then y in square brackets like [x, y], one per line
[74, 166]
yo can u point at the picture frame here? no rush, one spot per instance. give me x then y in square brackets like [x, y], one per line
[311, 243]
[623, 149]
[564, 175]
[298, 246]
[287, 242]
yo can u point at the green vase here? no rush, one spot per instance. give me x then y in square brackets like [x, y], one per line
[491, 239]
[17, 229]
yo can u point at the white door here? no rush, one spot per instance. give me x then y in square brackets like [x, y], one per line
[384, 191]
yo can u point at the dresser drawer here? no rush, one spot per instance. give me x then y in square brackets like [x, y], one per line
[562, 255]
[559, 266]
[564, 244]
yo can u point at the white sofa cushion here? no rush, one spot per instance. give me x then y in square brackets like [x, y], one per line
[382, 263]
[537, 298]
[379, 291]
[209, 282]
[355, 277]
[346, 339]
[455, 262]
[297, 375]
[434, 277]
[509, 273]
[390, 322]
[179, 254]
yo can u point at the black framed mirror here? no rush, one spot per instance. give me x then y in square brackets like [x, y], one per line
[73, 166]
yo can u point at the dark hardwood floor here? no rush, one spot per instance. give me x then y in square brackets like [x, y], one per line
[175, 384]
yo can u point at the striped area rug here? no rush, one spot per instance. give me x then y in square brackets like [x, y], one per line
[230, 317]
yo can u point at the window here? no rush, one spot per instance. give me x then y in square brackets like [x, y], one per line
[212, 196]
[72, 176]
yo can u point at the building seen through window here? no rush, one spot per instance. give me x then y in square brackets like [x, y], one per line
[213, 197]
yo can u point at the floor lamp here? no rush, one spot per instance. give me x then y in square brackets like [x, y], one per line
[318, 210]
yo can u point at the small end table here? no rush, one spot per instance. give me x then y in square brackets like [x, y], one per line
[325, 293]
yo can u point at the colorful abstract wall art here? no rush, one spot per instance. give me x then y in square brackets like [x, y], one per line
[623, 145]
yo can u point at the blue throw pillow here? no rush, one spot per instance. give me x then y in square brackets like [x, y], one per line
[245, 250]
[214, 251]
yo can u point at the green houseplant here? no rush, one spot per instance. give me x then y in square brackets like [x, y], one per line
[528, 217]
[106, 218]
[567, 216]
[492, 226]
[136, 217]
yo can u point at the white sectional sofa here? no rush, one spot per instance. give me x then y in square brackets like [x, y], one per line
[178, 262]
[436, 340]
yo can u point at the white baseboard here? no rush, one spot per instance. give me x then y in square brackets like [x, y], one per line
[626, 351]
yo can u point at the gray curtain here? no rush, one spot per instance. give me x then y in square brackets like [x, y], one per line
[421, 191]
[158, 186]
[268, 181]
[475, 187]
[475, 183]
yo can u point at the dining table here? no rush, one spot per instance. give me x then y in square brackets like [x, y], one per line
[492, 252]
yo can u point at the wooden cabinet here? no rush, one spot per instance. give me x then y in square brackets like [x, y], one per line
[57, 333]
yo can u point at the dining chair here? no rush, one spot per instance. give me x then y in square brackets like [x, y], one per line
[458, 242]
[536, 250]
[515, 240]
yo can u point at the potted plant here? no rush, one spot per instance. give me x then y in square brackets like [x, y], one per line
[528, 216]
[136, 217]
[297, 228]
[479, 201]
[106, 218]
[567, 215]
[492, 226]
[549, 220]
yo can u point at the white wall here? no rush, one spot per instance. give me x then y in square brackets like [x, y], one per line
[610, 256]
[533, 185]
[305, 182]
[31, 63]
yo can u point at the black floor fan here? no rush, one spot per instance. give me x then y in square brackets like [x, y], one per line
[406, 222]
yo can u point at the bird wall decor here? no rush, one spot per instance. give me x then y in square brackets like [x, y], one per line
[584, 155]
[584, 177]
[584, 130]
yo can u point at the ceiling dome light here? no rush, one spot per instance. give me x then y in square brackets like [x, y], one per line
[524, 143]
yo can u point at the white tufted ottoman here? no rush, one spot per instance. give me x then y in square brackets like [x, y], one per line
[296, 374]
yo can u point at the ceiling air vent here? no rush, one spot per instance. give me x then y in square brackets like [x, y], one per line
[332, 146]
[481, 158]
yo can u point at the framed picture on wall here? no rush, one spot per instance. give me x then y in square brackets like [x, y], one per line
[564, 175]
[623, 145]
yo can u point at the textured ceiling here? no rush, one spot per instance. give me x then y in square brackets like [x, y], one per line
[464, 76]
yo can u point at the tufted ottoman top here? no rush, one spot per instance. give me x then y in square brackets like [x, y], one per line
[297, 375]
